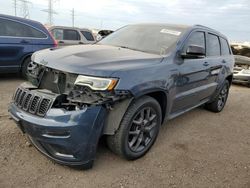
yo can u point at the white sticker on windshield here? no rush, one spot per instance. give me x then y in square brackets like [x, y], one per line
[171, 32]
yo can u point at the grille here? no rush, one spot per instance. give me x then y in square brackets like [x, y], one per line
[31, 102]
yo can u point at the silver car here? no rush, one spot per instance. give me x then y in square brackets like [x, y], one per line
[72, 35]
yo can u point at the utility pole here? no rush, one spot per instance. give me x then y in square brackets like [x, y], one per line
[25, 8]
[50, 11]
[15, 6]
[73, 17]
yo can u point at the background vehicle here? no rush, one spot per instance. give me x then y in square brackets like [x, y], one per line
[124, 87]
[72, 35]
[102, 34]
[19, 38]
[242, 63]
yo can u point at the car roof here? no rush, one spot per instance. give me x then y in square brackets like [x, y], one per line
[67, 27]
[24, 20]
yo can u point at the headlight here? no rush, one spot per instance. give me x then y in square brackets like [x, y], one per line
[96, 83]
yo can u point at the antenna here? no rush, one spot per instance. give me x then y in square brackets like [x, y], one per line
[50, 11]
[73, 17]
[24, 8]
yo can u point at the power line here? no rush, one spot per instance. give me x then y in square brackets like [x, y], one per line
[50, 11]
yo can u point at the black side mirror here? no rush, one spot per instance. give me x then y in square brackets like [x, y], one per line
[194, 51]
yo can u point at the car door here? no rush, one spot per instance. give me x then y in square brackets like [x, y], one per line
[66, 37]
[14, 44]
[193, 83]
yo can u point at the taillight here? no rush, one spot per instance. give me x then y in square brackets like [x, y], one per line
[55, 44]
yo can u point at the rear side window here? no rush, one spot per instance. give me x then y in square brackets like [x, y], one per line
[213, 45]
[57, 34]
[15, 29]
[88, 35]
[196, 38]
[224, 47]
[69, 34]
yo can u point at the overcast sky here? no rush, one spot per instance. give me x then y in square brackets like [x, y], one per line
[230, 17]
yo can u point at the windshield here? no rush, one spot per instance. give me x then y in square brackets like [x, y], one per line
[156, 39]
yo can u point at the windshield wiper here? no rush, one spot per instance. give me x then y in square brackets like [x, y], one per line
[125, 47]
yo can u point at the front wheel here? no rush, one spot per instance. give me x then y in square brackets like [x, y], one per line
[138, 129]
[220, 101]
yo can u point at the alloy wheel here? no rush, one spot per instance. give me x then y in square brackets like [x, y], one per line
[142, 129]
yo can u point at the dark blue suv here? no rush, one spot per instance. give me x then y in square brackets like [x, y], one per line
[123, 87]
[19, 38]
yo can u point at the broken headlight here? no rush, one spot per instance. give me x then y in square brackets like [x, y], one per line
[96, 83]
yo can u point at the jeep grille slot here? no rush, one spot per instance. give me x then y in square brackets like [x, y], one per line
[44, 106]
[31, 102]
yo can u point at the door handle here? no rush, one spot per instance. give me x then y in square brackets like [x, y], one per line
[80, 43]
[224, 61]
[205, 63]
[61, 42]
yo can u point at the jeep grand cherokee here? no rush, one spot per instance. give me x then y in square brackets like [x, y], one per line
[123, 87]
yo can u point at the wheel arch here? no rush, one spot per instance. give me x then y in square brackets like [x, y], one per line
[161, 98]
[230, 79]
[26, 56]
[115, 116]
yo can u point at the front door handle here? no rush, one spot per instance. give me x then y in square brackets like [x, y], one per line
[206, 64]
[61, 42]
[224, 61]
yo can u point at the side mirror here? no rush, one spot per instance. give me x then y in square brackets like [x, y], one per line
[194, 51]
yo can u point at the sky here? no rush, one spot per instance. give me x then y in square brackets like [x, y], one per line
[230, 17]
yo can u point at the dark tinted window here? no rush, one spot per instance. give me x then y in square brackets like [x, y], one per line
[88, 35]
[224, 47]
[196, 38]
[213, 45]
[70, 35]
[16, 29]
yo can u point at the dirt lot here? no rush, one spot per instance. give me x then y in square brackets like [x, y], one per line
[198, 149]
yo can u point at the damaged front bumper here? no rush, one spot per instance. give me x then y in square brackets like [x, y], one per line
[67, 137]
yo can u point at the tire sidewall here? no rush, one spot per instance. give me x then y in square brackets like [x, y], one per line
[126, 150]
[225, 84]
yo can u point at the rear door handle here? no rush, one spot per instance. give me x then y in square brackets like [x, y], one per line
[61, 42]
[205, 63]
[224, 61]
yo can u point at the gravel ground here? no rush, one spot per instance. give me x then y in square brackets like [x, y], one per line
[197, 149]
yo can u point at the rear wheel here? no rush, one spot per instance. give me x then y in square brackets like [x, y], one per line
[219, 103]
[27, 67]
[138, 129]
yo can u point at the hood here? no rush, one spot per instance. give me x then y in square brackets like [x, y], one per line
[99, 60]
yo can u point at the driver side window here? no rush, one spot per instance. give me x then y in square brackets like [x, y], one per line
[196, 38]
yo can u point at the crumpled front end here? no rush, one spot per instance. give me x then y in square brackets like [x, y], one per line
[63, 120]
[68, 137]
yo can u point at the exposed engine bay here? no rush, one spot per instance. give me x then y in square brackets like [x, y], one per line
[69, 95]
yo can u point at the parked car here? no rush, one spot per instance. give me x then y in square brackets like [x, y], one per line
[72, 35]
[242, 63]
[124, 87]
[19, 39]
[102, 34]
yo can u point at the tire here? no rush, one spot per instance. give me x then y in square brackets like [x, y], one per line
[220, 101]
[24, 71]
[138, 129]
